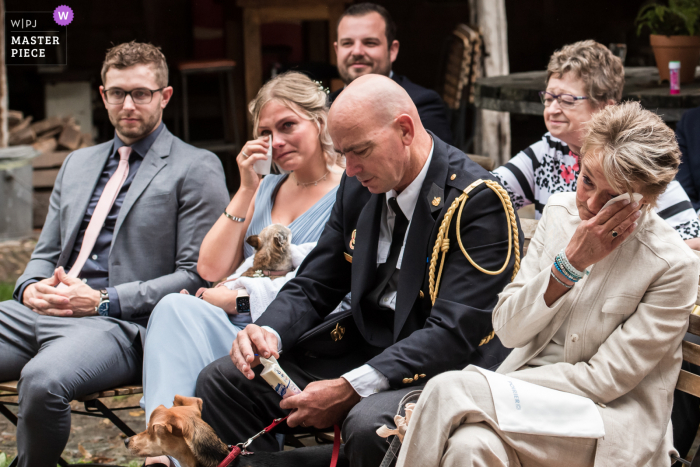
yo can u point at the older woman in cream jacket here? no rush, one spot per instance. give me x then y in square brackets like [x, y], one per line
[599, 309]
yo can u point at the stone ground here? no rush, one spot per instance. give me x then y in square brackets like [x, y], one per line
[92, 439]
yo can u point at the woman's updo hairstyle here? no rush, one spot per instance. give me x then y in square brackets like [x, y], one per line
[636, 150]
[304, 97]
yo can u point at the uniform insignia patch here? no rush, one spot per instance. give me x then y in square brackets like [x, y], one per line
[436, 198]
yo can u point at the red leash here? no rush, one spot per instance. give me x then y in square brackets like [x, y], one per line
[242, 448]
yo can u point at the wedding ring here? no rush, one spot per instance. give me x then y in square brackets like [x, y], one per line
[613, 233]
[245, 155]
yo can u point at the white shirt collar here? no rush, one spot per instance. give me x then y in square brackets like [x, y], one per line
[409, 196]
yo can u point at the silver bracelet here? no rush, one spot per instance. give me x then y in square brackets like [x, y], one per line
[234, 218]
[551, 273]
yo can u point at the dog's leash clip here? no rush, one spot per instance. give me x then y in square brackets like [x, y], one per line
[244, 446]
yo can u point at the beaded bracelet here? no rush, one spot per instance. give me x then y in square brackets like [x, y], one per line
[556, 265]
[565, 271]
[551, 273]
[568, 265]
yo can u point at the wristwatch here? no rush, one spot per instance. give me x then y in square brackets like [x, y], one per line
[242, 302]
[102, 308]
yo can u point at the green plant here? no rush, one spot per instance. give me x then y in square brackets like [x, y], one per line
[679, 18]
[4, 460]
[6, 294]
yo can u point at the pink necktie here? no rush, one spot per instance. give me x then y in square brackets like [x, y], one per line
[104, 205]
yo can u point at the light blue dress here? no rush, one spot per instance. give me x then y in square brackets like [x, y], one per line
[185, 333]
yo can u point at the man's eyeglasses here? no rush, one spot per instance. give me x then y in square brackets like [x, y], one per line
[138, 95]
[566, 101]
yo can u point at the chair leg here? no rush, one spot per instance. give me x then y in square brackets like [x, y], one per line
[96, 404]
[8, 414]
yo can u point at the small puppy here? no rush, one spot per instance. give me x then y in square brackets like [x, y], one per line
[273, 256]
[181, 433]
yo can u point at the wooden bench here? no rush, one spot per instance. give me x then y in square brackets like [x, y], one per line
[93, 408]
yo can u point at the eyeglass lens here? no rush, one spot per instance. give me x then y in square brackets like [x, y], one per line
[139, 96]
[565, 100]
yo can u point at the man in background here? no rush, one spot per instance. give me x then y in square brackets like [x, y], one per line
[125, 222]
[367, 44]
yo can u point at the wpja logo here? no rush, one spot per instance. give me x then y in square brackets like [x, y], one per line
[37, 38]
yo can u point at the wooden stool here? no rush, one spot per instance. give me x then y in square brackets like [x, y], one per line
[224, 68]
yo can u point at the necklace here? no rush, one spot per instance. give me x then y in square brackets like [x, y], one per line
[314, 183]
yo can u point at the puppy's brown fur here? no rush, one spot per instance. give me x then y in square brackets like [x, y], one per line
[181, 433]
[273, 250]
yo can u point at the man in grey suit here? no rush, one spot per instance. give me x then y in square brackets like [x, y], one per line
[71, 334]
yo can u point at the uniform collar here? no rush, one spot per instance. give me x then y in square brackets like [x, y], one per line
[409, 196]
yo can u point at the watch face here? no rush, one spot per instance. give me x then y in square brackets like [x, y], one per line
[103, 309]
[243, 305]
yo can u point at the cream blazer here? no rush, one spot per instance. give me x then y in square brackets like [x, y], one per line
[623, 344]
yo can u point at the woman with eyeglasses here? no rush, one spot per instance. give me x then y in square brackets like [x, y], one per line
[582, 78]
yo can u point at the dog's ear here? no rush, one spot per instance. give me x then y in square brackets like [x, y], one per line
[188, 401]
[280, 239]
[161, 427]
[178, 426]
[253, 241]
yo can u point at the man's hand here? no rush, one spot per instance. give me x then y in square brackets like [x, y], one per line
[77, 299]
[221, 297]
[251, 341]
[35, 301]
[322, 404]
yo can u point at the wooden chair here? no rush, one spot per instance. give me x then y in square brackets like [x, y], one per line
[461, 66]
[93, 408]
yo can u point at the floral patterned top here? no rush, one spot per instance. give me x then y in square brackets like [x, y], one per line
[549, 167]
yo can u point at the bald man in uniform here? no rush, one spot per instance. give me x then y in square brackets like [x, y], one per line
[400, 180]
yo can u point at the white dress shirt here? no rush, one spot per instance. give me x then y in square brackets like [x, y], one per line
[365, 379]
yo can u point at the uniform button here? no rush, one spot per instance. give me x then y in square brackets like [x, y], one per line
[453, 176]
[602, 405]
[574, 337]
[386, 299]
[421, 294]
[94, 257]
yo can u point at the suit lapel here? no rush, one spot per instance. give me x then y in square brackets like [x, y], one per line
[364, 261]
[416, 250]
[154, 161]
[90, 174]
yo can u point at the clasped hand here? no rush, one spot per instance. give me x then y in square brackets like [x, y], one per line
[217, 296]
[593, 239]
[321, 404]
[77, 299]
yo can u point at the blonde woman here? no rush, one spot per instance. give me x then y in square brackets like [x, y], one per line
[186, 333]
[599, 309]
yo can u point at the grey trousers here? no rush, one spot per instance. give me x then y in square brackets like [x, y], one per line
[56, 360]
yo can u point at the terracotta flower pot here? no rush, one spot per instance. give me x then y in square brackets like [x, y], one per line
[685, 49]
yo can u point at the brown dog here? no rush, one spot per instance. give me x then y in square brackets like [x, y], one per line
[181, 433]
[273, 256]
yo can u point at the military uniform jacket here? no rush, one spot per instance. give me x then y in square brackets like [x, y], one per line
[425, 339]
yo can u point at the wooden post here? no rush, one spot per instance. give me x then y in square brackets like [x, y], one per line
[252, 54]
[4, 132]
[492, 137]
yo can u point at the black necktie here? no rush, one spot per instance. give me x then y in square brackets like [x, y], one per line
[386, 270]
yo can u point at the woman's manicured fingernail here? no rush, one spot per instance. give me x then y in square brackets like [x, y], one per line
[637, 214]
[635, 204]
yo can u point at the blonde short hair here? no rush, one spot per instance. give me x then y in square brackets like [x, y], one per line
[635, 148]
[304, 97]
[136, 53]
[601, 71]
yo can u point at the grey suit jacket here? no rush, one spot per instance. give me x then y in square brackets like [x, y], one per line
[174, 199]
